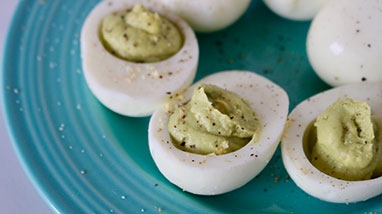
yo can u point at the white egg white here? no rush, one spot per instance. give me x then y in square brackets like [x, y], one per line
[129, 88]
[344, 42]
[208, 15]
[216, 174]
[303, 173]
[295, 9]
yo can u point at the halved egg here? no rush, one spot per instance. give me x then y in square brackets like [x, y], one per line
[132, 88]
[300, 169]
[208, 15]
[215, 174]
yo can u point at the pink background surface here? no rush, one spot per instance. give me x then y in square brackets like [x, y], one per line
[17, 195]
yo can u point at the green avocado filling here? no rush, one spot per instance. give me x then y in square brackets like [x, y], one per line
[140, 35]
[214, 121]
[347, 141]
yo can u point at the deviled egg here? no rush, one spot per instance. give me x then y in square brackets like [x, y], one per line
[208, 15]
[340, 159]
[344, 42]
[137, 84]
[222, 165]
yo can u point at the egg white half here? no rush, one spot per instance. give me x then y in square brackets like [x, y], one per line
[128, 88]
[303, 173]
[208, 15]
[295, 9]
[344, 42]
[212, 174]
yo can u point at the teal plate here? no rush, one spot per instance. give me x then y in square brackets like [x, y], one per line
[84, 158]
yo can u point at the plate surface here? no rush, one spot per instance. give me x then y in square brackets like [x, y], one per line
[82, 157]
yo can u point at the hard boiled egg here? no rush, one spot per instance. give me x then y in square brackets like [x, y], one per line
[130, 88]
[208, 15]
[344, 42]
[295, 9]
[300, 169]
[215, 174]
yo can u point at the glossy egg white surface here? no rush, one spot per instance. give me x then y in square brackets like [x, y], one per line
[299, 10]
[303, 173]
[129, 88]
[212, 174]
[344, 42]
[208, 15]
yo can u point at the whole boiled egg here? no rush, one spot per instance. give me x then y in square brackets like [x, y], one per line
[295, 9]
[135, 88]
[208, 16]
[344, 42]
[295, 150]
[211, 174]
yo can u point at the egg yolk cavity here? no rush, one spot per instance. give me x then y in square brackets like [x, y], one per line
[345, 141]
[140, 35]
[214, 121]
